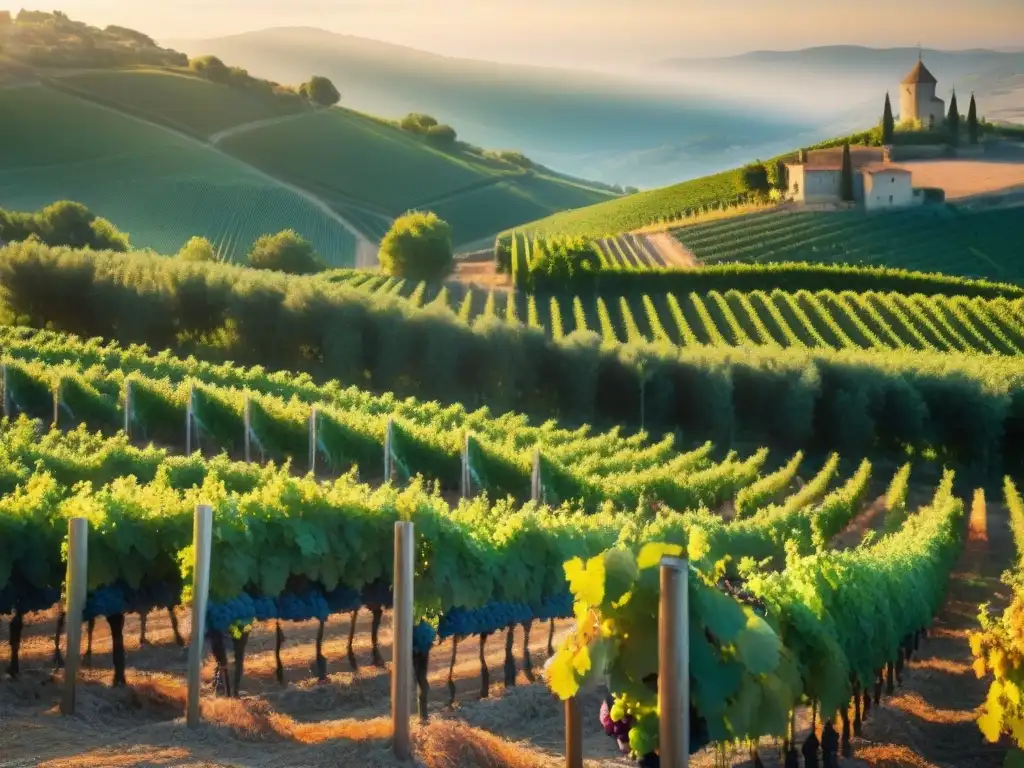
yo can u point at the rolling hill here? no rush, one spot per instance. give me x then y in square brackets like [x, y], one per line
[616, 128]
[159, 186]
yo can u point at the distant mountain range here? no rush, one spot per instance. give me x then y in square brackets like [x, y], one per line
[647, 127]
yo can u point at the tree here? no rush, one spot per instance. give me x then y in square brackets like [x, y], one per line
[953, 120]
[846, 179]
[321, 91]
[72, 224]
[888, 123]
[212, 68]
[776, 174]
[198, 249]
[286, 251]
[972, 122]
[418, 246]
[753, 179]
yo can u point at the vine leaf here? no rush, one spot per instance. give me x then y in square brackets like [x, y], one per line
[758, 647]
[586, 580]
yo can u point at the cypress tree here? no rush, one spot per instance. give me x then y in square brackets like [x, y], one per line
[846, 181]
[972, 122]
[888, 124]
[953, 120]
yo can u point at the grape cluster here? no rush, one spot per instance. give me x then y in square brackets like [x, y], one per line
[462, 622]
[558, 606]
[302, 607]
[423, 635]
[378, 593]
[105, 601]
[19, 595]
[343, 599]
[617, 729]
[152, 595]
[265, 608]
[239, 610]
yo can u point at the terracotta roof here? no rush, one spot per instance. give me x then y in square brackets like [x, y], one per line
[919, 74]
[886, 169]
[832, 159]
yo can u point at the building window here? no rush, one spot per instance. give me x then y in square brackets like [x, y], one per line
[796, 188]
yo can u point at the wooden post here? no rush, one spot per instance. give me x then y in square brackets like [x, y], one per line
[312, 440]
[188, 423]
[202, 536]
[573, 734]
[401, 662]
[247, 422]
[465, 486]
[7, 399]
[74, 587]
[387, 450]
[56, 403]
[128, 409]
[674, 664]
[535, 492]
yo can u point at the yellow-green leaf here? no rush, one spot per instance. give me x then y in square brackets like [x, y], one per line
[651, 554]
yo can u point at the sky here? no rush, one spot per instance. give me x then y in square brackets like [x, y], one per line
[604, 33]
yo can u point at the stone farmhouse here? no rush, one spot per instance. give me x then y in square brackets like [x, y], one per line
[817, 179]
[876, 182]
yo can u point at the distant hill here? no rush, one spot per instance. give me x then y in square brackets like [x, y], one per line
[623, 129]
[859, 75]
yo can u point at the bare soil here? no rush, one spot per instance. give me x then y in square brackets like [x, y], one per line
[480, 274]
[998, 171]
[344, 721]
[674, 253]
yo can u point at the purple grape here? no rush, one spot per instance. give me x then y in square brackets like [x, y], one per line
[606, 718]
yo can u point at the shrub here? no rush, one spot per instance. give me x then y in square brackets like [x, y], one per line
[753, 179]
[64, 223]
[418, 246]
[321, 91]
[198, 249]
[287, 252]
[212, 68]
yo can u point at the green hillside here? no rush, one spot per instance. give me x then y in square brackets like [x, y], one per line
[624, 214]
[955, 241]
[361, 164]
[160, 188]
[180, 100]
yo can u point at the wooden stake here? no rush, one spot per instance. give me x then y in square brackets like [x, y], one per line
[56, 403]
[188, 423]
[7, 399]
[535, 492]
[202, 536]
[401, 663]
[74, 587]
[128, 409]
[465, 486]
[247, 422]
[674, 664]
[573, 734]
[312, 440]
[387, 450]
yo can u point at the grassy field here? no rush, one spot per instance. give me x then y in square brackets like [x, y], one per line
[356, 163]
[969, 243]
[640, 210]
[190, 104]
[159, 188]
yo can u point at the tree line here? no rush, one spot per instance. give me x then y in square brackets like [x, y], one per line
[317, 90]
[959, 408]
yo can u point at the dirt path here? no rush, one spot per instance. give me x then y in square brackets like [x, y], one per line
[342, 722]
[672, 251]
[218, 137]
[366, 250]
[871, 518]
[930, 722]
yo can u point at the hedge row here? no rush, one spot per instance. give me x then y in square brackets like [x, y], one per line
[957, 407]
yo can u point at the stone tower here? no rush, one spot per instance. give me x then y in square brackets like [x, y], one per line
[917, 98]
